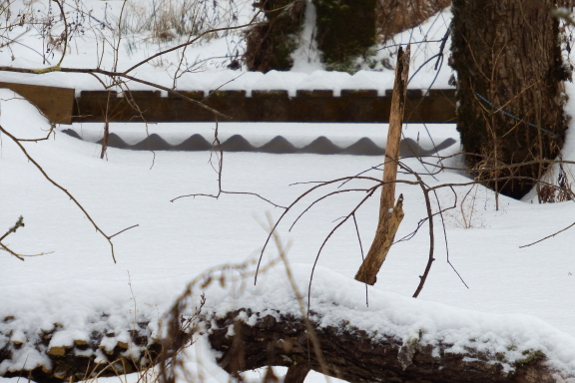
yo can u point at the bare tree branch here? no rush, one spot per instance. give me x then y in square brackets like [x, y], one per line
[549, 236]
[17, 142]
[219, 153]
[19, 223]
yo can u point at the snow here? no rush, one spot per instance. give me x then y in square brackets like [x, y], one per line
[522, 295]
[395, 315]
[204, 64]
[306, 58]
[177, 241]
[362, 79]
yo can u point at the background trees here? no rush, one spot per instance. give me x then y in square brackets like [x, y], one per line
[507, 56]
[345, 30]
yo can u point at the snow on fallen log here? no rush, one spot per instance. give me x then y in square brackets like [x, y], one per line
[396, 339]
[104, 345]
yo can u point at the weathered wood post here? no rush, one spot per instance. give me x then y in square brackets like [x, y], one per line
[390, 216]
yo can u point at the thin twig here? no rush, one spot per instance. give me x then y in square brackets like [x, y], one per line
[5, 248]
[112, 74]
[445, 234]
[52, 127]
[123, 230]
[430, 259]
[323, 197]
[549, 236]
[362, 256]
[63, 14]
[219, 170]
[409, 236]
[19, 223]
[327, 238]
[295, 202]
[21, 256]
[17, 142]
[189, 42]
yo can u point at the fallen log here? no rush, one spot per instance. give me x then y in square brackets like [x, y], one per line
[395, 339]
[54, 355]
[354, 355]
[275, 339]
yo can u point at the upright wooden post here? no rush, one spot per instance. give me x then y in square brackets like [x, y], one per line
[390, 216]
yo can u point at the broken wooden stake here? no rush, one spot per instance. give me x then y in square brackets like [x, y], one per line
[389, 216]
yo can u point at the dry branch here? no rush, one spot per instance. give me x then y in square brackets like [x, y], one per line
[389, 217]
[381, 244]
[58, 186]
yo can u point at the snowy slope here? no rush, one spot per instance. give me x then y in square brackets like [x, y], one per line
[176, 241]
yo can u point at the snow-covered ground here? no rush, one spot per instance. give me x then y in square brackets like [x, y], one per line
[176, 241]
[511, 290]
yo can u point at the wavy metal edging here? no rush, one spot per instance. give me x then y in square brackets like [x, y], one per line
[277, 145]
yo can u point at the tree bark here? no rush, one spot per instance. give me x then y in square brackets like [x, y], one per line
[510, 91]
[353, 355]
[296, 373]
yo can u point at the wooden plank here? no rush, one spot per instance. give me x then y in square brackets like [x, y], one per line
[362, 106]
[60, 106]
[57, 104]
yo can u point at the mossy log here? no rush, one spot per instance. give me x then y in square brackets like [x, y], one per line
[353, 355]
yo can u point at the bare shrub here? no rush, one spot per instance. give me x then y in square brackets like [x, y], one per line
[394, 16]
[466, 214]
[168, 19]
[271, 43]
[556, 185]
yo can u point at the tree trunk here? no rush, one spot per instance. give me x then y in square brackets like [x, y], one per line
[346, 29]
[353, 355]
[510, 92]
